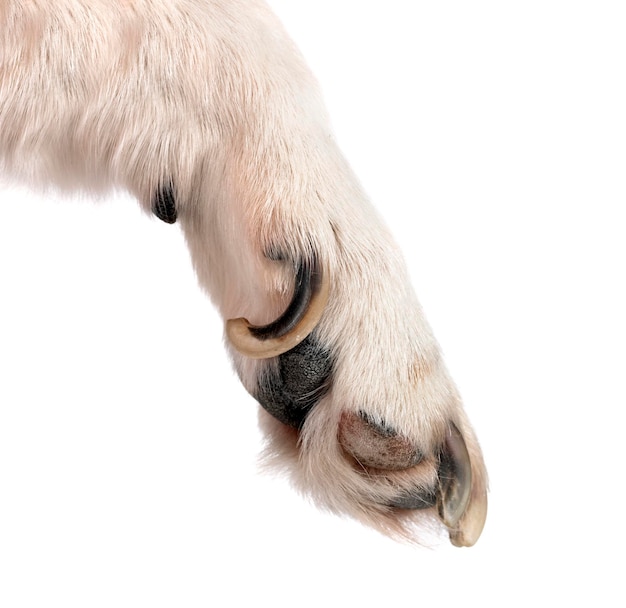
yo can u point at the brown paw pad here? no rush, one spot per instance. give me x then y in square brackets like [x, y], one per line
[375, 445]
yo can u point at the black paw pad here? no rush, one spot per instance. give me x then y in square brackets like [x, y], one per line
[302, 378]
[164, 204]
[417, 499]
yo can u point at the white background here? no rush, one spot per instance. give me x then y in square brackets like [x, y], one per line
[492, 137]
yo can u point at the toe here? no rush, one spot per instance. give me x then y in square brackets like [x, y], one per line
[376, 445]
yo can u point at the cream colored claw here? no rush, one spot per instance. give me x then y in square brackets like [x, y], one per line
[293, 326]
[462, 501]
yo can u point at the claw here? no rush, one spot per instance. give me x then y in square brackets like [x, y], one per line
[462, 501]
[293, 326]
[455, 479]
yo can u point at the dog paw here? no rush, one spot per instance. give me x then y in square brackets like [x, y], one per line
[391, 466]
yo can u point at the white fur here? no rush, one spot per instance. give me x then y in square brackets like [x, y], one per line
[212, 94]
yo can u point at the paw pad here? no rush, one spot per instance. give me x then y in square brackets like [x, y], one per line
[301, 377]
[376, 445]
[164, 204]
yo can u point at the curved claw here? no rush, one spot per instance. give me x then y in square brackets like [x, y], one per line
[462, 500]
[455, 479]
[472, 523]
[293, 326]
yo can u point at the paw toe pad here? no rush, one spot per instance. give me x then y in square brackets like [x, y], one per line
[376, 445]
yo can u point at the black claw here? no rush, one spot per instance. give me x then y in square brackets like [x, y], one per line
[164, 204]
[301, 380]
